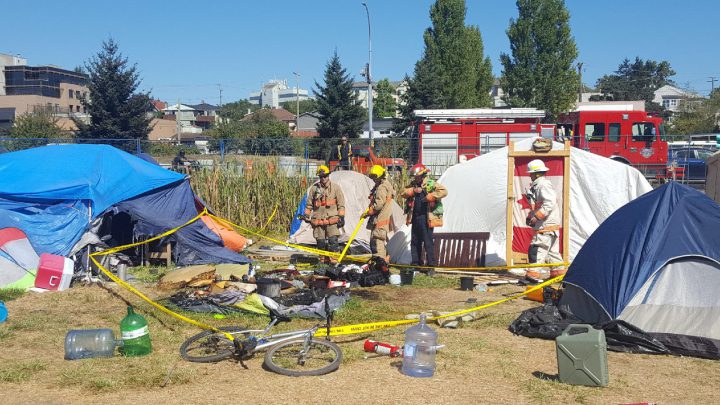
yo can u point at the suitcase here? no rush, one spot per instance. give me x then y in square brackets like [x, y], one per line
[54, 272]
[582, 356]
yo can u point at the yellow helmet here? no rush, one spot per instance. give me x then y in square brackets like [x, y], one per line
[322, 171]
[376, 172]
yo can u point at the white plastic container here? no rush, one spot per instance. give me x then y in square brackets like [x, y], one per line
[89, 343]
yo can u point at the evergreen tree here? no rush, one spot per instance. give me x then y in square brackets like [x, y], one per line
[636, 80]
[540, 71]
[340, 111]
[117, 110]
[384, 104]
[453, 72]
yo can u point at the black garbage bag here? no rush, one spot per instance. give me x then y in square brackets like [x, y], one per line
[188, 301]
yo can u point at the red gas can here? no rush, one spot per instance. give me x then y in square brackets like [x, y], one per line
[54, 272]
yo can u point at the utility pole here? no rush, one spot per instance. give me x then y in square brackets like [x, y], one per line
[297, 101]
[369, 80]
[712, 81]
[580, 89]
[177, 121]
[220, 88]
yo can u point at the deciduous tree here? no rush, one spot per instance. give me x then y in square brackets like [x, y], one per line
[384, 104]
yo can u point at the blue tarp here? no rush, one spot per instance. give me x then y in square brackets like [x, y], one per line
[640, 238]
[53, 192]
[296, 223]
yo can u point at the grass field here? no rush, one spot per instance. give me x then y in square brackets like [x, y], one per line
[481, 363]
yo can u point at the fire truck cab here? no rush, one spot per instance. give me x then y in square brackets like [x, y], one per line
[624, 133]
[447, 137]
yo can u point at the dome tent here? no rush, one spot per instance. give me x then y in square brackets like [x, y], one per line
[654, 264]
[477, 195]
[56, 194]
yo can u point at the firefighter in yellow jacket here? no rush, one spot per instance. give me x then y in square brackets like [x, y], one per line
[424, 210]
[325, 210]
[379, 212]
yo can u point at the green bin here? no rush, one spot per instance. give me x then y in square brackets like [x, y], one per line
[582, 356]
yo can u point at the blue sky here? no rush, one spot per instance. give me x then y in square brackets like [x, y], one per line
[183, 49]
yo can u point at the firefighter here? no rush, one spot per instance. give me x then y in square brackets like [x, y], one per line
[344, 154]
[325, 210]
[544, 218]
[424, 210]
[379, 212]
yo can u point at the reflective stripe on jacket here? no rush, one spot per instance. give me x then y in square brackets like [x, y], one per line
[380, 209]
[324, 204]
[435, 192]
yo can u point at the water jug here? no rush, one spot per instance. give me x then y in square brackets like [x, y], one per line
[419, 350]
[582, 356]
[135, 334]
[87, 343]
[3, 312]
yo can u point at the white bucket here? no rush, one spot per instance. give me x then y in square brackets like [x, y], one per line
[394, 279]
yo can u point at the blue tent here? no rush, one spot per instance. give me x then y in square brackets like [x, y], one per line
[655, 264]
[53, 194]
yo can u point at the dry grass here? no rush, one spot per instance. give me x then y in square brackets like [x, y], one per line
[481, 363]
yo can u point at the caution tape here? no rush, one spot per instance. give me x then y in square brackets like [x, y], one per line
[374, 326]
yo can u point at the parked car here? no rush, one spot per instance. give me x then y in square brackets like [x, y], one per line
[692, 159]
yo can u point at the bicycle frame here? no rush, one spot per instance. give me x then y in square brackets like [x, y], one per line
[264, 340]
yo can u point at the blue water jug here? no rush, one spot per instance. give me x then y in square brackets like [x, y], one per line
[419, 350]
[3, 312]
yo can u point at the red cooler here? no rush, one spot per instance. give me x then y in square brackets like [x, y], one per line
[54, 272]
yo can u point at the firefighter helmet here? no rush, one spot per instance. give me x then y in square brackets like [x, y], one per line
[419, 170]
[323, 171]
[376, 172]
[537, 166]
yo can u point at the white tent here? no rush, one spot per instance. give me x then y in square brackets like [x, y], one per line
[477, 195]
[356, 188]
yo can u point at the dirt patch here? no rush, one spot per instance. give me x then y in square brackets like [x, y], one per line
[481, 363]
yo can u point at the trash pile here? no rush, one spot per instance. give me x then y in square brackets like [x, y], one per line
[227, 288]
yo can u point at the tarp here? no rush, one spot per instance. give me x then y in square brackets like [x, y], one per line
[477, 195]
[53, 193]
[356, 188]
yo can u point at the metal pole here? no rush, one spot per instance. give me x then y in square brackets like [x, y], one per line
[177, 122]
[297, 100]
[580, 89]
[369, 80]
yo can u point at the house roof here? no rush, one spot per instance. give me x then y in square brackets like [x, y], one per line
[280, 113]
[182, 107]
[159, 105]
[205, 107]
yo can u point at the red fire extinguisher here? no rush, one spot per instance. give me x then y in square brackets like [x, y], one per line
[372, 346]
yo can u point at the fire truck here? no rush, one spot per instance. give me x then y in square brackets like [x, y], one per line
[622, 132]
[446, 137]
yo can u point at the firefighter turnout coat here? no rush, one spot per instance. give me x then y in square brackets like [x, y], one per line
[434, 192]
[546, 206]
[325, 205]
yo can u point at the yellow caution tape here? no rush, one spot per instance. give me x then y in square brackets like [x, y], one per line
[374, 326]
[352, 237]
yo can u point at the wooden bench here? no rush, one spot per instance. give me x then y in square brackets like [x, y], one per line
[461, 249]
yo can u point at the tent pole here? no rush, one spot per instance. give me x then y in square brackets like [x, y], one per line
[510, 203]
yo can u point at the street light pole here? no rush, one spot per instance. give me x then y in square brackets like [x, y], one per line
[297, 102]
[369, 79]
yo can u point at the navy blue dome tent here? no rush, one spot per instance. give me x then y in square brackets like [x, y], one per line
[652, 267]
[56, 194]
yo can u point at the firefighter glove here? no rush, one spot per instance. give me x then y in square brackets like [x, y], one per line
[341, 222]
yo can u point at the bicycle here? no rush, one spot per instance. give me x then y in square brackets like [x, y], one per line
[296, 353]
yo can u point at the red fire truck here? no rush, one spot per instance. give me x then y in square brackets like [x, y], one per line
[618, 131]
[446, 137]
[622, 132]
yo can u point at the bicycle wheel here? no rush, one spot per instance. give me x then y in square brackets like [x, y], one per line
[290, 358]
[209, 346]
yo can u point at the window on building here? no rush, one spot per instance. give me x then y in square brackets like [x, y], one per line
[70, 93]
[643, 132]
[595, 132]
[70, 108]
[77, 108]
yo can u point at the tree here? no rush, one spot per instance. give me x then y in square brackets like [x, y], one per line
[340, 111]
[305, 106]
[39, 123]
[697, 116]
[636, 80]
[540, 70]
[117, 110]
[453, 72]
[384, 104]
[237, 109]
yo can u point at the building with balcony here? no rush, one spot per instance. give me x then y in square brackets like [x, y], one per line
[275, 92]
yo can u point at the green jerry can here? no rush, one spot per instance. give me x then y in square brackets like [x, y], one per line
[135, 335]
[582, 356]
